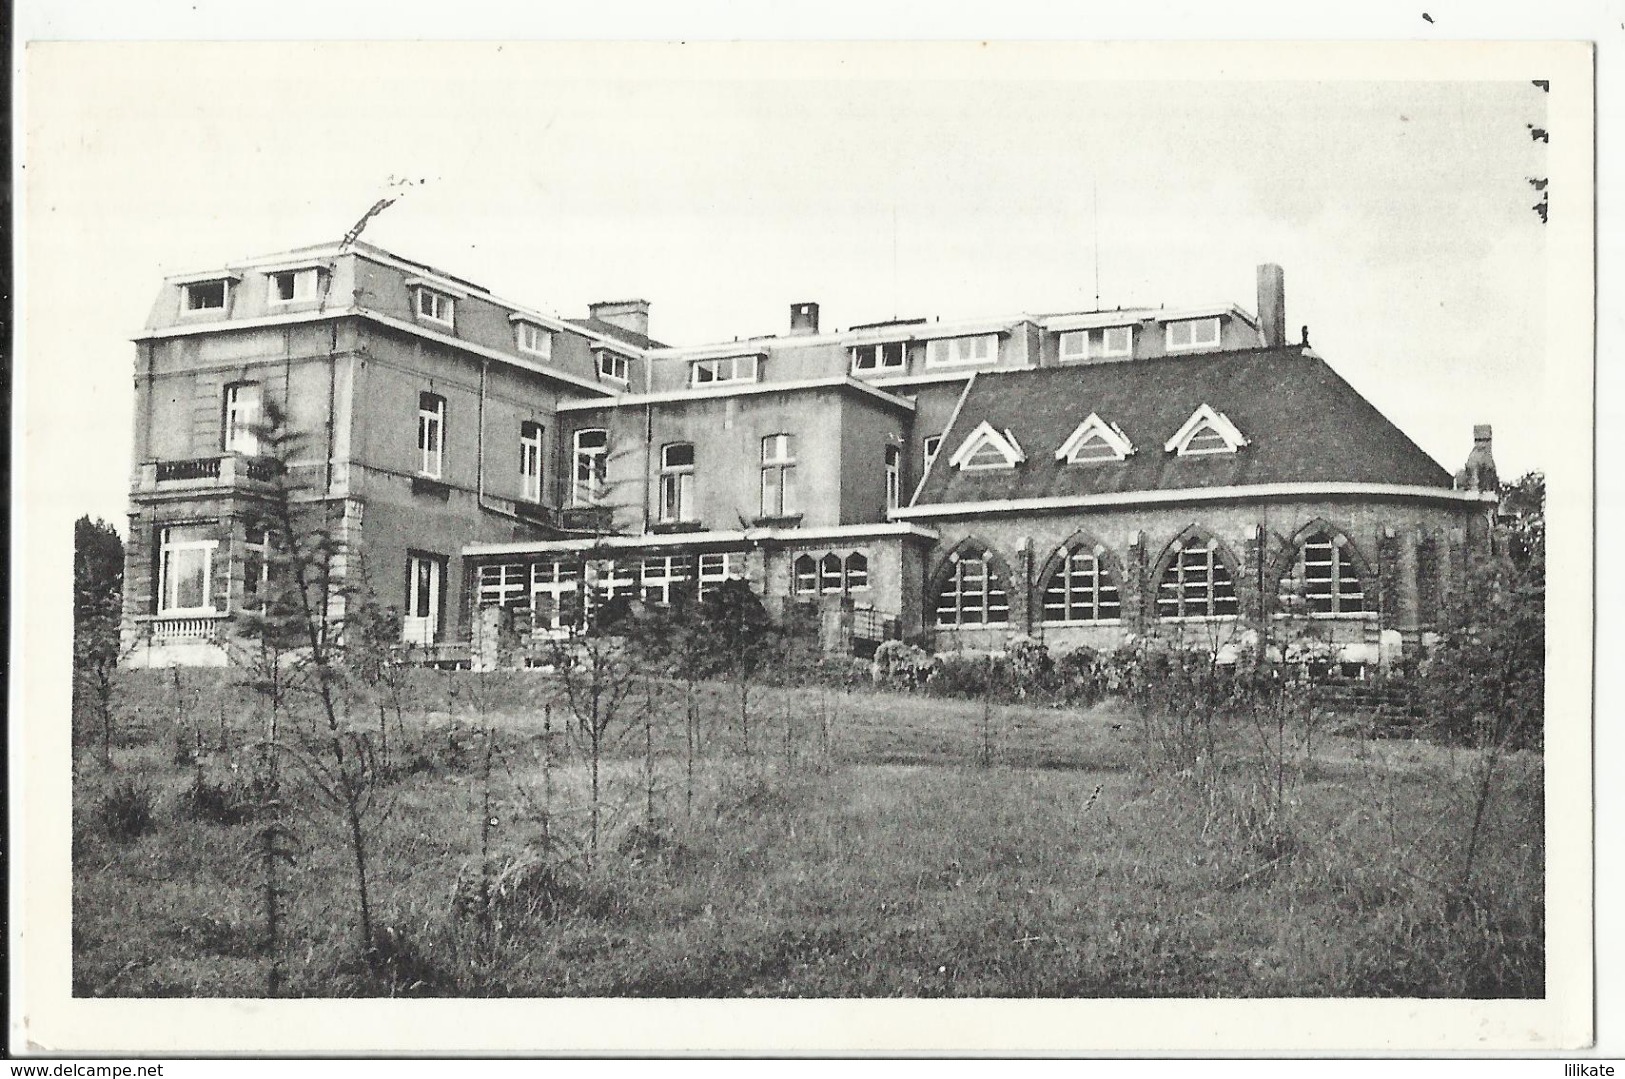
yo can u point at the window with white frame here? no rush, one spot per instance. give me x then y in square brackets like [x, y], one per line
[611, 580]
[435, 307]
[1094, 440]
[972, 593]
[1207, 431]
[431, 434]
[829, 574]
[956, 351]
[534, 340]
[804, 572]
[555, 594]
[205, 295]
[719, 566]
[240, 430]
[530, 460]
[929, 449]
[591, 466]
[256, 567]
[880, 356]
[894, 476]
[986, 447]
[778, 476]
[292, 286]
[613, 365]
[1325, 576]
[186, 569]
[1080, 588]
[1100, 343]
[1196, 583]
[424, 574]
[504, 584]
[723, 369]
[1192, 333]
[677, 482]
[857, 571]
[663, 577]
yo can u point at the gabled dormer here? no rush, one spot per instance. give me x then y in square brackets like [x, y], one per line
[1094, 440]
[987, 448]
[1206, 432]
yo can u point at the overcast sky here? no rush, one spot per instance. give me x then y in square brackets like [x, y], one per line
[877, 181]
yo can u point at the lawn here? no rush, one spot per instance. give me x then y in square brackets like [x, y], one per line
[866, 844]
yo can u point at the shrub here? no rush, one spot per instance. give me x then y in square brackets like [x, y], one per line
[966, 674]
[1028, 667]
[126, 811]
[901, 665]
[225, 802]
[1083, 676]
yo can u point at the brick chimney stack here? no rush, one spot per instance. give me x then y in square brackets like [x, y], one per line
[627, 314]
[803, 318]
[1479, 474]
[1272, 305]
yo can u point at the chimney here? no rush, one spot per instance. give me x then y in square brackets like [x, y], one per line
[1478, 474]
[627, 314]
[1272, 305]
[803, 318]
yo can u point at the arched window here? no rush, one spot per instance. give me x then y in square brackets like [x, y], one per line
[806, 574]
[857, 571]
[972, 593]
[1196, 582]
[829, 574]
[1325, 576]
[1081, 588]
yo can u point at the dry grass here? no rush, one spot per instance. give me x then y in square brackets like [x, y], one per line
[895, 867]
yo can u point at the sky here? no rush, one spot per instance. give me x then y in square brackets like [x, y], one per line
[723, 185]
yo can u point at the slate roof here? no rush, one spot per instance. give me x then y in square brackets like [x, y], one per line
[609, 329]
[1304, 423]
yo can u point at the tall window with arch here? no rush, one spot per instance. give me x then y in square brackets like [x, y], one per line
[1080, 588]
[1324, 577]
[591, 476]
[677, 482]
[1196, 582]
[972, 593]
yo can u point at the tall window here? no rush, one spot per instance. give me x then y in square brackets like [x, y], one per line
[894, 475]
[886, 356]
[256, 567]
[530, 460]
[1196, 583]
[677, 482]
[930, 446]
[1327, 577]
[1081, 589]
[806, 575]
[829, 574]
[186, 569]
[293, 286]
[534, 339]
[436, 307]
[972, 594]
[422, 622]
[241, 427]
[857, 571]
[591, 466]
[431, 434]
[778, 476]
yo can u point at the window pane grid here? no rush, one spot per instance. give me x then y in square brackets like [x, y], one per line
[973, 594]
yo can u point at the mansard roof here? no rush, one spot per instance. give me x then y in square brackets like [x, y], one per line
[1304, 424]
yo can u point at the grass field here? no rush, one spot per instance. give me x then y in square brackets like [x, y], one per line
[870, 844]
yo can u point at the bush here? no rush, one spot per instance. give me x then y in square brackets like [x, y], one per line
[1028, 668]
[901, 665]
[225, 802]
[1083, 676]
[126, 811]
[967, 674]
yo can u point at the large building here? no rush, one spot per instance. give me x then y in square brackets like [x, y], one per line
[1078, 477]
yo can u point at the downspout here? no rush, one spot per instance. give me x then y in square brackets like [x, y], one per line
[648, 457]
[332, 397]
[479, 458]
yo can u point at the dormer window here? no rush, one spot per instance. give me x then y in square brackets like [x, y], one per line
[1094, 440]
[1206, 432]
[1105, 343]
[725, 369]
[882, 356]
[206, 295]
[292, 286]
[533, 340]
[987, 448]
[961, 351]
[436, 307]
[1192, 333]
[612, 365]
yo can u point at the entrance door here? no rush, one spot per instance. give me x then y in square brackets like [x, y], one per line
[422, 622]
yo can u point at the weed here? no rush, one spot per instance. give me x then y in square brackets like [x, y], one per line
[126, 811]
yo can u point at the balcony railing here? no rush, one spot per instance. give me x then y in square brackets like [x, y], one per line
[165, 629]
[221, 471]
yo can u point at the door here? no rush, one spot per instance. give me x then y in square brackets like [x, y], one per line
[422, 622]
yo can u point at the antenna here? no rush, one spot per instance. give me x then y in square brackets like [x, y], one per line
[894, 306]
[1094, 197]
